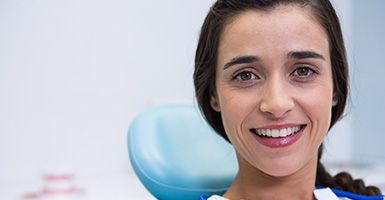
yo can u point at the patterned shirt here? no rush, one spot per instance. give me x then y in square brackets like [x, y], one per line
[321, 194]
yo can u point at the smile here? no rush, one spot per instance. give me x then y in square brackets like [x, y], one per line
[278, 136]
[277, 133]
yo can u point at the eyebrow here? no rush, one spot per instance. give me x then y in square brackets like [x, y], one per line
[241, 60]
[305, 54]
[292, 54]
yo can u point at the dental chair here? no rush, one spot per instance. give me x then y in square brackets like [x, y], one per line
[177, 156]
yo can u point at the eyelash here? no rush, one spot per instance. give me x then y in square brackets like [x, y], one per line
[311, 72]
[246, 72]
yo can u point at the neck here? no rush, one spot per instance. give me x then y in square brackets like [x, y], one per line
[252, 183]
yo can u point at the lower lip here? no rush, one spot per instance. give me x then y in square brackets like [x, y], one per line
[280, 141]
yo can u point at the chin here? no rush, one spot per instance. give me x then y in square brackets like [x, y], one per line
[280, 170]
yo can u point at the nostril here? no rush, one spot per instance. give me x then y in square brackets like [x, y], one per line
[276, 109]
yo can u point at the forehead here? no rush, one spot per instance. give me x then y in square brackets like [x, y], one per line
[283, 29]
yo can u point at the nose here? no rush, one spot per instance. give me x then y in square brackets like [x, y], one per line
[277, 100]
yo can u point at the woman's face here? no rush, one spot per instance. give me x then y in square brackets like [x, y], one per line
[274, 88]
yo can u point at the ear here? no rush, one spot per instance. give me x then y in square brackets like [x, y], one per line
[335, 100]
[214, 103]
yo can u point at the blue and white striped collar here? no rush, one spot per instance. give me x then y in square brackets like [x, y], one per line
[321, 193]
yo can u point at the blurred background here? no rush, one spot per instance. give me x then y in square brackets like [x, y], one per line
[74, 73]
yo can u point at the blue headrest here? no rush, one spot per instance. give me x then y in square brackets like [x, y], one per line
[176, 155]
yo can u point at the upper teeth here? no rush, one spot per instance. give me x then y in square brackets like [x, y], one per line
[278, 132]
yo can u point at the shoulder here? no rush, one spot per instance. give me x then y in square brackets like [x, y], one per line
[334, 194]
[320, 194]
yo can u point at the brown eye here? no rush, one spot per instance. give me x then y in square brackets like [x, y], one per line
[303, 72]
[245, 76]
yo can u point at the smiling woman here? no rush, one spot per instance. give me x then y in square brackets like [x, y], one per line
[271, 78]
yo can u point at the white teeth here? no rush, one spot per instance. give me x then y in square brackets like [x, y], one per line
[278, 132]
[268, 132]
[275, 133]
[283, 132]
[296, 129]
[264, 132]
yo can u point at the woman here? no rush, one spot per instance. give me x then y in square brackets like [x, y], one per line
[271, 77]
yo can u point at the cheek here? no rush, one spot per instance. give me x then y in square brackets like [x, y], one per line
[318, 108]
[235, 107]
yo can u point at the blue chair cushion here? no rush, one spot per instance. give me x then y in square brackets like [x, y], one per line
[176, 155]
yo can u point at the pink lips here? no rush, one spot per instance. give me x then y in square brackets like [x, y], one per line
[280, 141]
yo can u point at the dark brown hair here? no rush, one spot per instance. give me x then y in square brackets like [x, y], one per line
[220, 15]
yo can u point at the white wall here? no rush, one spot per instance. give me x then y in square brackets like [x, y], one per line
[73, 73]
[369, 98]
